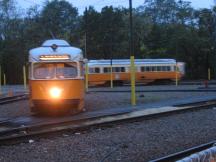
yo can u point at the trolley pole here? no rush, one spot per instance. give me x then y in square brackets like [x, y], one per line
[132, 68]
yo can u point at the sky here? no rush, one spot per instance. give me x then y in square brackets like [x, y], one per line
[98, 4]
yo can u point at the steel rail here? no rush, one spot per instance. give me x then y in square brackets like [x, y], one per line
[5, 100]
[174, 90]
[23, 132]
[173, 83]
[185, 153]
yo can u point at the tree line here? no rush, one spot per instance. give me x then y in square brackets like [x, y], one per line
[162, 29]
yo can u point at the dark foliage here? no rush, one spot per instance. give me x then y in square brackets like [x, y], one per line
[162, 29]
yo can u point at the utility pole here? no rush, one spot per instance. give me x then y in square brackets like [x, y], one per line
[214, 22]
[132, 66]
[86, 63]
[86, 28]
[131, 29]
[214, 34]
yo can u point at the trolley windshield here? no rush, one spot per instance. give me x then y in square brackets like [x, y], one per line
[54, 70]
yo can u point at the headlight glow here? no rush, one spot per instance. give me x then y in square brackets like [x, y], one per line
[55, 92]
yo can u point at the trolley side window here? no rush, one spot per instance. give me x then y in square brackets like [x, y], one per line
[159, 68]
[176, 68]
[142, 68]
[154, 68]
[118, 69]
[94, 70]
[107, 70]
[123, 69]
[164, 68]
[148, 68]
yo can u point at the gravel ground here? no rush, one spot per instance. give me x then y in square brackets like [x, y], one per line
[95, 100]
[137, 141]
[99, 101]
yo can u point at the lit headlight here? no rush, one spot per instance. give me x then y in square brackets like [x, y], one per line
[55, 92]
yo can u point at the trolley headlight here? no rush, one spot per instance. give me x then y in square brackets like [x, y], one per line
[55, 92]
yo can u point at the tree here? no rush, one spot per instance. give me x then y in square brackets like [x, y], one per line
[11, 52]
[162, 29]
[106, 34]
[59, 19]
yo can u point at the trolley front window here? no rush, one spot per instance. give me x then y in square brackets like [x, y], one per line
[66, 70]
[55, 70]
[44, 71]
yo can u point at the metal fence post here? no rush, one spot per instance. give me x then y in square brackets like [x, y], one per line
[24, 77]
[4, 77]
[111, 75]
[209, 74]
[132, 73]
[176, 75]
[86, 76]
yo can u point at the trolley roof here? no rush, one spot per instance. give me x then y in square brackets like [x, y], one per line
[127, 62]
[55, 47]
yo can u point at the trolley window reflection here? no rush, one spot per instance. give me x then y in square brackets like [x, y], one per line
[55, 70]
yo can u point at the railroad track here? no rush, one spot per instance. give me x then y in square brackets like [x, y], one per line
[200, 82]
[22, 128]
[5, 100]
[174, 90]
[182, 154]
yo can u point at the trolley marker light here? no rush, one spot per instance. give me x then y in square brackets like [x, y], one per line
[54, 57]
[55, 92]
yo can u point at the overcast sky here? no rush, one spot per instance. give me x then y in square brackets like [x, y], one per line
[98, 4]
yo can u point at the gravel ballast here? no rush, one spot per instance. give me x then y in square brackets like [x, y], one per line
[137, 141]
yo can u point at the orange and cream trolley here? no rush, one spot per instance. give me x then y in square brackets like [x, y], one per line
[56, 79]
[147, 71]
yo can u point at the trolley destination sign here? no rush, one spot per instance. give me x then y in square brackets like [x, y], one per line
[54, 57]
